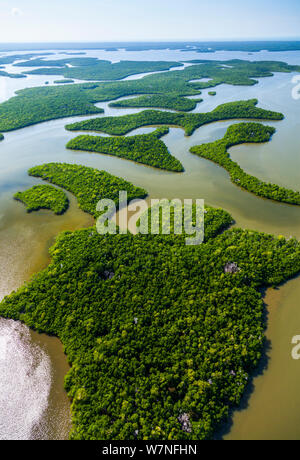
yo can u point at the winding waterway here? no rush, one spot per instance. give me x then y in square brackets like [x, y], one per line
[33, 403]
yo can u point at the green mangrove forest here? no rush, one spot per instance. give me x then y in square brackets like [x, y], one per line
[74, 61]
[160, 101]
[94, 69]
[89, 185]
[63, 82]
[34, 105]
[187, 121]
[155, 331]
[239, 134]
[4, 60]
[162, 338]
[216, 220]
[11, 75]
[185, 82]
[238, 72]
[44, 197]
[147, 149]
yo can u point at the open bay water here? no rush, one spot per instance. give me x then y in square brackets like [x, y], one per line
[25, 378]
[35, 364]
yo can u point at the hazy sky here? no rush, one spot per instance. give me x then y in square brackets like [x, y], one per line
[134, 20]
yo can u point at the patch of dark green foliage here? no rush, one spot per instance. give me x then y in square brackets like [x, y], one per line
[87, 184]
[44, 197]
[239, 134]
[161, 101]
[147, 149]
[154, 329]
[187, 121]
[93, 69]
[34, 105]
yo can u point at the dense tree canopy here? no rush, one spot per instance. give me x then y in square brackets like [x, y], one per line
[237, 72]
[64, 81]
[155, 330]
[87, 184]
[4, 60]
[76, 62]
[93, 69]
[10, 59]
[44, 197]
[189, 122]
[161, 101]
[11, 75]
[147, 149]
[240, 134]
[189, 81]
[34, 105]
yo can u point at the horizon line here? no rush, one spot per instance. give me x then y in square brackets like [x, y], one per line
[238, 40]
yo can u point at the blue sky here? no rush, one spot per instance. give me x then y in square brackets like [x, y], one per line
[134, 20]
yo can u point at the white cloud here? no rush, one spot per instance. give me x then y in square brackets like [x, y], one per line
[16, 12]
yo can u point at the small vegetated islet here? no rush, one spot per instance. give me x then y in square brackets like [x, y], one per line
[147, 149]
[63, 82]
[161, 101]
[44, 197]
[239, 134]
[87, 184]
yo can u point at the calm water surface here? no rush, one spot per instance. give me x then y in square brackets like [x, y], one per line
[38, 367]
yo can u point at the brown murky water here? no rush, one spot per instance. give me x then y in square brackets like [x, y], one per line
[273, 408]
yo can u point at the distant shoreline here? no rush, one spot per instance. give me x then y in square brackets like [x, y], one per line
[180, 45]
